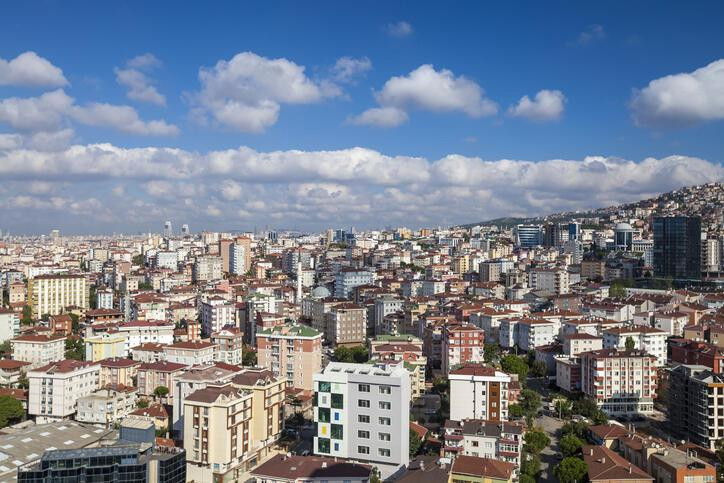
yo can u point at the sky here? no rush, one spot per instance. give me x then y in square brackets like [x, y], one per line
[115, 117]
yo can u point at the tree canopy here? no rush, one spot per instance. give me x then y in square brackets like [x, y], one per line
[11, 411]
[571, 470]
[570, 444]
[515, 365]
[535, 440]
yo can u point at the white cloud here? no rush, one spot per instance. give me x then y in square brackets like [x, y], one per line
[399, 29]
[29, 69]
[681, 99]
[381, 117]
[53, 110]
[246, 92]
[546, 106]
[592, 33]
[140, 87]
[347, 68]
[428, 89]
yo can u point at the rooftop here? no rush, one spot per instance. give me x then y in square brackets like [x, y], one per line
[308, 467]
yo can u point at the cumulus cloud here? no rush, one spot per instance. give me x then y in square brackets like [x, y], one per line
[427, 89]
[140, 87]
[29, 69]
[547, 105]
[246, 92]
[347, 68]
[313, 189]
[52, 111]
[399, 29]
[681, 99]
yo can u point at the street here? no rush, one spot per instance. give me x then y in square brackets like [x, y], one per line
[548, 455]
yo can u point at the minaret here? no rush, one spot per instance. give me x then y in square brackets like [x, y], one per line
[299, 280]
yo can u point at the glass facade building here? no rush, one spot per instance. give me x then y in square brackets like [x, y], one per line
[677, 247]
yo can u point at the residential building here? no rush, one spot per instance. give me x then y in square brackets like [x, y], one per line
[39, 350]
[648, 339]
[11, 371]
[105, 345]
[207, 268]
[140, 332]
[229, 342]
[347, 279]
[51, 294]
[553, 280]
[461, 344]
[533, 333]
[574, 344]
[238, 258]
[481, 470]
[55, 388]
[9, 324]
[607, 466]
[104, 299]
[568, 373]
[696, 404]
[215, 314]
[158, 374]
[672, 322]
[362, 413]
[346, 324]
[61, 324]
[621, 382]
[291, 351]
[478, 392]
[118, 372]
[190, 353]
[487, 439]
[310, 469]
[106, 406]
[677, 247]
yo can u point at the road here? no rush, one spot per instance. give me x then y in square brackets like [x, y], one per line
[548, 455]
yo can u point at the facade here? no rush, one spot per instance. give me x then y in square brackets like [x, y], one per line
[528, 236]
[553, 280]
[362, 413]
[677, 247]
[462, 344]
[574, 344]
[238, 259]
[347, 279]
[190, 353]
[9, 324]
[291, 351]
[648, 339]
[534, 333]
[487, 439]
[104, 346]
[39, 350]
[51, 294]
[696, 407]
[478, 392]
[147, 331]
[229, 342]
[154, 374]
[118, 372]
[55, 388]
[106, 406]
[621, 382]
[215, 314]
[206, 268]
[346, 323]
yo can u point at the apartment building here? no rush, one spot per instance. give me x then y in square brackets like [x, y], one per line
[346, 324]
[139, 332]
[552, 280]
[190, 353]
[11, 371]
[362, 412]
[9, 324]
[107, 406]
[568, 373]
[51, 294]
[38, 350]
[215, 314]
[574, 344]
[347, 279]
[229, 342]
[696, 404]
[207, 268]
[478, 392]
[217, 422]
[154, 374]
[534, 333]
[461, 344]
[291, 351]
[55, 388]
[648, 339]
[105, 345]
[118, 371]
[486, 439]
[621, 382]
[672, 322]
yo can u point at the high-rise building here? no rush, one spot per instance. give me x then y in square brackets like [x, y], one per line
[293, 351]
[362, 412]
[696, 411]
[528, 236]
[237, 259]
[167, 229]
[478, 392]
[185, 230]
[677, 247]
[51, 294]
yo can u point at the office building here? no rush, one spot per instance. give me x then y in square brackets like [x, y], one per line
[362, 412]
[528, 236]
[167, 229]
[623, 235]
[677, 247]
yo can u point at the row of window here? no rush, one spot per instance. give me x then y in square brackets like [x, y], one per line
[363, 434]
[365, 403]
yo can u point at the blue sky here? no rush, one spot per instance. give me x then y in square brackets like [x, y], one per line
[445, 77]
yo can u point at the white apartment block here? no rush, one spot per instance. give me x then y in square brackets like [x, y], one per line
[9, 324]
[508, 334]
[216, 313]
[347, 279]
[106, 406]
[478, 392]
[574, 344]
[553, 280]
[190, 353]
[672, 322]
[51, 294]
[104, 299]
[144, 331]
[237, 259]
[648, 339]
[362, 412]
[229, 342]
[39, 350]
[207, 268]
[534, 333]
[55, 388]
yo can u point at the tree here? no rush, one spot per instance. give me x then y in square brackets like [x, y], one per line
[138, 259]
[248, 357]
[360, 355]
[375, 475]
[5, 348]
[530, 403]
[23, 382]
[142, 404]
[630, 344]
[527, 479]
[145, 286]
[11, 411]
[515, 365]
[74, 349]
[440, 385]
[563, 408]
[515, 411]
[415, 443]
[579, 429]
[160, 392]
[343, 354]
[570, 444]
[535, 440]
[75, 328]
[530, 465]
[27, 315]
[92, 297]
[571, 470]
[587, 407]
[491, 353]
[538, 369]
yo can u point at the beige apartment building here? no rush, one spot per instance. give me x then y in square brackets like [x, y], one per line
[291, 351]
[229, 343]
[118, 371]
[38, 350]
[51, 294]
[346, 324]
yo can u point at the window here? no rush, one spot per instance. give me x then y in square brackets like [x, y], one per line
[363, 449]
[363, 434]
[323, 445]
[363, 403]
[384, 436]
[385, 405]
[325, 386]
[475, 444]
[384, 452]
[384, 389]
[338, 401]
[337, 431]
[364, 388]
[384, 421]
[323, 415]
[363, 418]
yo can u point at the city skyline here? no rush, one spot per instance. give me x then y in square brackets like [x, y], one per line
[429, 117]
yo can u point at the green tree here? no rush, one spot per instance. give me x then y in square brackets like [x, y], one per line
[74, 349]
[571, 470]
[145, 286]
[515, 365]
[75, 327]
[360, 355]
[530, 402]
[530, 465]
[515, 411]
[440, 385]
[11, 411]
[160, 392]
[343, 354]
[527, 479]
[92, 297]
[375, 475]
[248, 357]
[630, 344]
[535, 440]
[579, 429]
[138, 259]
[27, 315]
[491, 353]
[5, 349]
[563, 408]
[538, 369]
[570, 444]
[142, 404]
[23, 382]
[415, 443]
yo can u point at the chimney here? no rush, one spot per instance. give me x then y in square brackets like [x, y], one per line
[324, 464]
[422, 465]
[630, 469]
